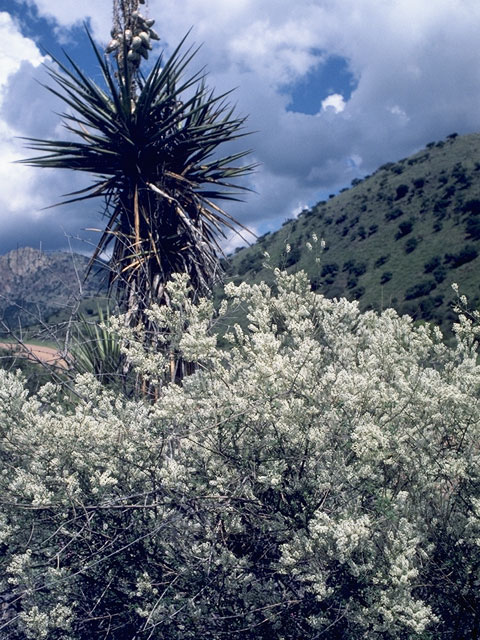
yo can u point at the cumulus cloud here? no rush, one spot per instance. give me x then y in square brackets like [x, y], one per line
[27, 109]
[414, 67]
[334, 101]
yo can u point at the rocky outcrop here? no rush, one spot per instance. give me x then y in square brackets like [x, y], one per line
[35, 283]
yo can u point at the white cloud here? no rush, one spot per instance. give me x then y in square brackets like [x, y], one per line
[26, 109]
[334, 101]
[14, 49]
[16, 196]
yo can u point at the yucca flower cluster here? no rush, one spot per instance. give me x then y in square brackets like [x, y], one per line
[131, 34]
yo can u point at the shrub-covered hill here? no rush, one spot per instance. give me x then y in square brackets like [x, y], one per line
[35, 284]
[398, 238]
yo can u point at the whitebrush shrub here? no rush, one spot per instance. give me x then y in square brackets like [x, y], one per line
[316, 478]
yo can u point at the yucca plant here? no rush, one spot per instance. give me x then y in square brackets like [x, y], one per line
[151, 144]
[96, 350]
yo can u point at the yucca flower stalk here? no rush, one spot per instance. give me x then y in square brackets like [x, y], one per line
[150, 142]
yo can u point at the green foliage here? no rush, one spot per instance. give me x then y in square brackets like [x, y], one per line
[380, 261]
[404, 228]
[317, 477]
[401, 191]
[96, 350]
[440, 273]
[420, 289]
[411, 245]
[394, 214]
[355, 268]
[293, 257]
[472, 228]
[251, 262]
[432, 264]
[455, 260]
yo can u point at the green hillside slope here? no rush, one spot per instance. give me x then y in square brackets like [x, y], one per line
[399, 237]
[34, 285]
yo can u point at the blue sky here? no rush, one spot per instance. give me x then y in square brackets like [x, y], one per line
[333, 89]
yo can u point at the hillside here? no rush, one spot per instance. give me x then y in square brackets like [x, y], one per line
[399, 237]
[35, 284]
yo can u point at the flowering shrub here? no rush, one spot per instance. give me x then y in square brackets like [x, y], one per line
[317, 477]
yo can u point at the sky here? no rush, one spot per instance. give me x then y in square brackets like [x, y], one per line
[332, 90]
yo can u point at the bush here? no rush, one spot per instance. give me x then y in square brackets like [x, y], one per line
[432, 264]
[419, 183]
[329, 270]
[404, 228]
[357, 293]
[411, 245]
[467, 254]
[293, 257]
[472, 228]
[440, 208]
[440, 273]
[386, 276]
[420, 289]
[251, 262]
[352, 282]
[381, 261]
[393, 215]
[318, 477]
[472, 207]
[262, 239]
[401, 191]
[355, 268]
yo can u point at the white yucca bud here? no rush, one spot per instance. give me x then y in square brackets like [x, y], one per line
[112, 45]
[136, 42]
[133, 55]
[145, 39]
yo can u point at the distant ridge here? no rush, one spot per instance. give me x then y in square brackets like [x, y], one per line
[398, 238]
[34, 284]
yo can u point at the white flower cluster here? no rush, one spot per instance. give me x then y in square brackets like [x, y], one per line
[317, 475]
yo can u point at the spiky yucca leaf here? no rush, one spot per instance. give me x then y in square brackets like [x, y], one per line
[151, 147]
[97, 350]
